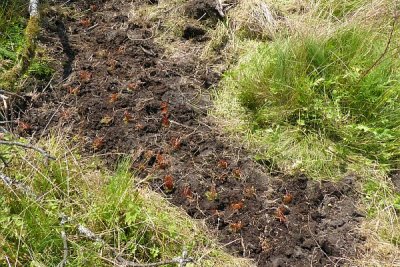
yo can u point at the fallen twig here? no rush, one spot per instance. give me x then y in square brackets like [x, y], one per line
[181, 261]
[220, 8]
[65, 254]
[8, 261]
[41, 151]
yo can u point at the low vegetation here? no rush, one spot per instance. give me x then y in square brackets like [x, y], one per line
[72, 192]
[321, 97]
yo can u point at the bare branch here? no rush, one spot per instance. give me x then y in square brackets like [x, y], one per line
[65, 254]
[33, 8]
[180, 261]
[41, 151]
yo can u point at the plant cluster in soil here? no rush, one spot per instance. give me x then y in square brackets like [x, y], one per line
[116, 90]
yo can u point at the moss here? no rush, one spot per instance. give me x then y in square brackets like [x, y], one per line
[25, 56]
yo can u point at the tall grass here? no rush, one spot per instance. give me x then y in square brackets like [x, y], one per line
[323, 103]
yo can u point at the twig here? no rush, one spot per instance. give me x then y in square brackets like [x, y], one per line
[65, 254]
[41, 151]
[33, 8]
[219, 8]
[384, 52]
[8, 261]
[180, 261]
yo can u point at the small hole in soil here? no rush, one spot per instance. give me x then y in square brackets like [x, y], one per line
[192, 32]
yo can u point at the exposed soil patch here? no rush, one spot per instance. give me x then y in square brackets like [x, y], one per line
[123, 96]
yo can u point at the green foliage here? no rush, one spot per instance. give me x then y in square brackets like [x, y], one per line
[324, 102]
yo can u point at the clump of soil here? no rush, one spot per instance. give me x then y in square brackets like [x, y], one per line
[116, 91]
[202, 10]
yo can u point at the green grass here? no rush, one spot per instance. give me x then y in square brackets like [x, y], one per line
[319, 105]
[134, 222]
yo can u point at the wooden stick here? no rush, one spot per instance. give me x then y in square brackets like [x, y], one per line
[41, 151]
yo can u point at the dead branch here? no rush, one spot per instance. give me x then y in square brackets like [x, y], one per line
[33, 8]
[389, 41]
[41, 151]
[65, 253]
[181, 261]
[220, 8]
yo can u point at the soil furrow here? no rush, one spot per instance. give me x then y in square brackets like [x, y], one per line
[124, 96]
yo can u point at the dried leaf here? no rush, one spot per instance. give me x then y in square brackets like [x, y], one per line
[212, 194]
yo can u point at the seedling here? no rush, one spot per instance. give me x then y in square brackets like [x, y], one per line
[165, 121]
[106, 120]
[161, 162]
[168, 183]
[237, 206]
[98, 143]
[113, 98]
[212, 194]
[287, 198]
[223, 164]
[127, 117]
[187, 192]
[85, 76]
[85, 22]
[236, 227]
[176, 143]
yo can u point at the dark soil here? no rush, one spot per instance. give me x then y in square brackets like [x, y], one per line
[122, 96]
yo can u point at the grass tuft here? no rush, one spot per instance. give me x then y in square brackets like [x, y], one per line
[323, 104]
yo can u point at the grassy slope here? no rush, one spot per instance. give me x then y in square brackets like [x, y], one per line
[308, 101]
[133, 221]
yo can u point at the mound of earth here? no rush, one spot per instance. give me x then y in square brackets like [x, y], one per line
[115, 90]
